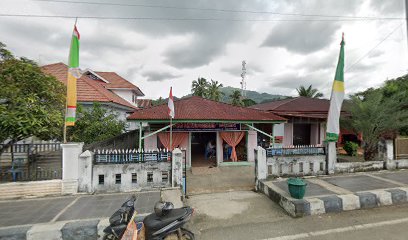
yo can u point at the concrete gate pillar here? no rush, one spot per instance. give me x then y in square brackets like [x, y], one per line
[85, 172]
[390, 163]
[261, 166]
[177, 168]
[331, 156]
[70, 167]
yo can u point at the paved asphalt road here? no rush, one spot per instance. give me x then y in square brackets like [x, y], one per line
[249, 215]
[41, 210]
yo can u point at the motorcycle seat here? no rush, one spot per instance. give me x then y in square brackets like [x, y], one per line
[153, 223]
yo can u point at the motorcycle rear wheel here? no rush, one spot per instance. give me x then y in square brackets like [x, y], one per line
[185, 235]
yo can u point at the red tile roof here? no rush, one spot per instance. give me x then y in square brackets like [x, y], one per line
[197, 108]
[88, 90]
[298, 104]
[118, 82]
[144, 103]
[297, 107]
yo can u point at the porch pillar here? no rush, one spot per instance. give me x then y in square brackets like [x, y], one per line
[140, 135]
[251, 145]
[189, 150]
[219, 149]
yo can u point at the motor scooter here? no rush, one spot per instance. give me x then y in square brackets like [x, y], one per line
[153, 227]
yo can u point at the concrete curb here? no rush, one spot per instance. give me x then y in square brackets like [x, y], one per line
[63, 230]
[333, 203]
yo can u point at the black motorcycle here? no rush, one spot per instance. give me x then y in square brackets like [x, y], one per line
[166, 223]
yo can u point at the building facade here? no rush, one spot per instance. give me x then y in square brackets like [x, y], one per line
[306, 123]
[113, 92]
[200, 124]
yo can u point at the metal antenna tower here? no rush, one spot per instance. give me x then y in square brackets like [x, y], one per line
[243, 83]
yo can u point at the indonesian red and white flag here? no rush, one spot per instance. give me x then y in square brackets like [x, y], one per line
[170, 104]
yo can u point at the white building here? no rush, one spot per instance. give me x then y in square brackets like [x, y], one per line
[112, 91]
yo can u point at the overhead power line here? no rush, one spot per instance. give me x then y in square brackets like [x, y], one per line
[184, 19]
[372, 49]
[221, 10]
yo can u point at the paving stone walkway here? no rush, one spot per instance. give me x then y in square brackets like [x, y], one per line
[42, 210]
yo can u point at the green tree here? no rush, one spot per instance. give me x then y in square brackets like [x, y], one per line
[236, 98]
[31, 102]
[95, 124]
[158, 101]
[376, 116]
[214, 91]
[248, 102]
[309, 92]
[199, 87]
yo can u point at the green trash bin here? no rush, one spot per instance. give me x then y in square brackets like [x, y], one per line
[297, 187]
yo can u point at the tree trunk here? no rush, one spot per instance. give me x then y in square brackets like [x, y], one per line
[370, 151]
[7, 145]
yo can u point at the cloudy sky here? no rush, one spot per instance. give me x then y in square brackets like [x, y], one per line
[286, 43]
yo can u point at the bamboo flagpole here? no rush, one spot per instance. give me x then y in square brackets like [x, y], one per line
[73, 74]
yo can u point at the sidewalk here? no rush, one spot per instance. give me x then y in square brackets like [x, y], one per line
[341, 192]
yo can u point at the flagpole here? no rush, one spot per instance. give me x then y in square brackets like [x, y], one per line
[66, 99]
[65, 125]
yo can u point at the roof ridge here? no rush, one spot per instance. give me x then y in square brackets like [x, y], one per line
[189, 108]
[229, 104]
[93, 84]
[282, 102]
[51, 64]
[290, 100]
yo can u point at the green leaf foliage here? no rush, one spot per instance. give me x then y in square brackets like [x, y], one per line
[309, 92]
[31, 102]
[236, 98]
[377, 113]
[248, 102]
[351, 148]
[95, 124]
[199, 87]
[214, 91]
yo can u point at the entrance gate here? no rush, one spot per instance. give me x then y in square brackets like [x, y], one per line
[401, 148]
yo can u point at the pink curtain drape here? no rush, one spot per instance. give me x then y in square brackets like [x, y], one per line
[178, 139]
[233, 139]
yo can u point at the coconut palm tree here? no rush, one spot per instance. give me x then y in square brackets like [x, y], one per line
[214, 91]
[236, 98]
[199, 87]
[309, 92]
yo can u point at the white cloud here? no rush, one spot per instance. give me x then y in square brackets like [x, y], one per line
[158, 54]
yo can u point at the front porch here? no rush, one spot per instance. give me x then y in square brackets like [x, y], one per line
[220, 179]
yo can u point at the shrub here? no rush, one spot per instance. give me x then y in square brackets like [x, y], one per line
[351, 148]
